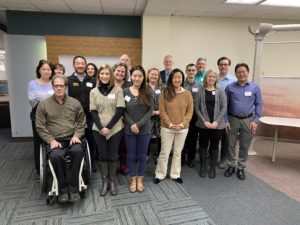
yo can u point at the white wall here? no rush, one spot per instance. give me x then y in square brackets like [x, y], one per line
[23, 53]
[187, 38]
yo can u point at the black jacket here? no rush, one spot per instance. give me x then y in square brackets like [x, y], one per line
[81, 91]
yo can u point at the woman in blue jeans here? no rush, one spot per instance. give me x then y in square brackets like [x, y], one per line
[139, 107]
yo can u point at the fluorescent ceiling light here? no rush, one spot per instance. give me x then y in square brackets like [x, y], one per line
[288, 3]
[243, 1]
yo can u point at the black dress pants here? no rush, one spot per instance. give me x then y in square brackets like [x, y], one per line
[57, 157]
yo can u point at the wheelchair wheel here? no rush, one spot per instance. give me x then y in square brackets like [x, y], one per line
[43, 168]
[87, 165]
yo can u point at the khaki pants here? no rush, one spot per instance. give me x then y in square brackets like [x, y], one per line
[169, 139]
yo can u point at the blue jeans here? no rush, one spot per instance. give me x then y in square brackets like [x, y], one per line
[137, 146]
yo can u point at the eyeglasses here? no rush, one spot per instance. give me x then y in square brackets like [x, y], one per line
[223, 64]
[59, 86]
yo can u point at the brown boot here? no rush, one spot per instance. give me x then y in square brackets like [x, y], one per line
[132, 187]
[140, 184]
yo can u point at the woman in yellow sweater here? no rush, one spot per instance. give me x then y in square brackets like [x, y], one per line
[176, 110]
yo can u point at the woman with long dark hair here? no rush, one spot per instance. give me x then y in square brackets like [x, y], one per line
[176, 111]
[139, 107]
[91, 70]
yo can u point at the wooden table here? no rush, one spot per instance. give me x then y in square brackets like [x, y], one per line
[276, 122]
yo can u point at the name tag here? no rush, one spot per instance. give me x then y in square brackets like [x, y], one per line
[248, 93]
[157, 91]
[111, 96]
[51, 92]
[89, 84]
[213, 93]
[75, 84]
[127, 98]
[194, 89]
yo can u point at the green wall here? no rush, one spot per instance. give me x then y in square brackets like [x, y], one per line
[40, 23]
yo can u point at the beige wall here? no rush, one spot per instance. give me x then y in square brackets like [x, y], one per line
[187, 38]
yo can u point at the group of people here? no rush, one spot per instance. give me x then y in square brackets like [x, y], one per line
[119, 109]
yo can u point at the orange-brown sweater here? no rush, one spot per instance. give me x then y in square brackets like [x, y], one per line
[179, 110]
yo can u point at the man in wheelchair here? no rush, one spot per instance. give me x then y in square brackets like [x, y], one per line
[60, 122]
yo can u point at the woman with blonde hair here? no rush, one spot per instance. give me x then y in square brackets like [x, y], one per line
[210, 107]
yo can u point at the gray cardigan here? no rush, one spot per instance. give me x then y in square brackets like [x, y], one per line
[138, 113]
[219, 111]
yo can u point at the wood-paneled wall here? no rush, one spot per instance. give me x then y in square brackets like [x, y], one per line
[93, 46]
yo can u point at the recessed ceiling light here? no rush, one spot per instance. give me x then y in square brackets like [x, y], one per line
[288, 3]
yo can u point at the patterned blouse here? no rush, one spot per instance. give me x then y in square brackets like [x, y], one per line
[155, 120]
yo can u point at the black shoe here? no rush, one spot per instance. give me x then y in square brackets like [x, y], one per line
[241, 174]
[178, 180]
[63, 198]
[74, 197]
[202, 172]
[229, 171]
[212, 173]
[191, 164]
[156, 180]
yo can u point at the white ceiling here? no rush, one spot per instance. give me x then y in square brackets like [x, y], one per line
[201, 8]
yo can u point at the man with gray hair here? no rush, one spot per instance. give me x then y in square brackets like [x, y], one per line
[201, 72]
[168, 63]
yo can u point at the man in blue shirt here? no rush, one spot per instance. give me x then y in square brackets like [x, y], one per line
[201, 72]
[244, 109]
[225, 78]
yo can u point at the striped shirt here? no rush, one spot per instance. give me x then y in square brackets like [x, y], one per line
[37, 92]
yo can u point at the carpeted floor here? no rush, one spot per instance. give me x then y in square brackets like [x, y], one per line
[220, 201]
[284, 173]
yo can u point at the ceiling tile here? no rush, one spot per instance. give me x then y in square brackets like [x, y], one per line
[86, 6]
[18, 5]
[51, 5]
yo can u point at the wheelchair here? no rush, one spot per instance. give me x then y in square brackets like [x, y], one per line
[48, 176]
